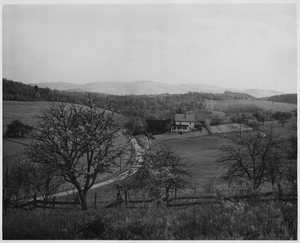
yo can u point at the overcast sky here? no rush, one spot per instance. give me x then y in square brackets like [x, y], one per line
[238, 46]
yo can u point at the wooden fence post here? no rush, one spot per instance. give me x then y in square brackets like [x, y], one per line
[34, 201]
[53, 202]
[45, 203]
[95, 201]
[125, 191]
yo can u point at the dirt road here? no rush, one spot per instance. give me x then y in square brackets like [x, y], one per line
[129, 172]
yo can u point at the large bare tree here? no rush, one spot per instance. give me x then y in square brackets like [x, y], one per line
[78, 142]
[254, 158]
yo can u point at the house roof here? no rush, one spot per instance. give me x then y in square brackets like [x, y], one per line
[185, 117]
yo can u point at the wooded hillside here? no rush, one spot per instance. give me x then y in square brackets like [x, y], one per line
[162, 106]
[285, 98]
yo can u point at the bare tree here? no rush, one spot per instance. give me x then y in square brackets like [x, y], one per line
[254, 158]
[78, 142]
[41, 180]
[13, 179]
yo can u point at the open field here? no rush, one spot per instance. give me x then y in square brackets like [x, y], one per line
[222, 105]
[201, 150]
[28, 112]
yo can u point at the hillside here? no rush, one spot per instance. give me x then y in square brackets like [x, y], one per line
[285, 98]
[238, 96]
[249, 105]
[258, 93]
[151, 88]
[162, 106]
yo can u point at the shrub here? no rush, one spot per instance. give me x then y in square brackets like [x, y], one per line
[17, 128]
[224, 220]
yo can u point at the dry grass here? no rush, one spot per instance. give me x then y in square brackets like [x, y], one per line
[223, 220]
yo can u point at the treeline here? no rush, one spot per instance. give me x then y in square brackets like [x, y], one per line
[157, 106]
[24, 92]
[285, 98]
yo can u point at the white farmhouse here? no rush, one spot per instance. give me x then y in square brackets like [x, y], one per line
[183, 123]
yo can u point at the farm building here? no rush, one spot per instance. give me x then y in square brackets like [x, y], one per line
[159, 126]
[216, 121]
[183, 123]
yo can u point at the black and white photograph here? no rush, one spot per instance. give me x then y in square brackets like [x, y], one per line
[151, 120]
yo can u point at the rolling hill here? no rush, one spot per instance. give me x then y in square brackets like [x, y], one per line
[151, 88]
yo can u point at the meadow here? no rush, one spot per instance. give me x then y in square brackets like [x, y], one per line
[222, 105]
[200, 151]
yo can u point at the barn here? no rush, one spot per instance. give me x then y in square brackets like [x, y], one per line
[159, 126]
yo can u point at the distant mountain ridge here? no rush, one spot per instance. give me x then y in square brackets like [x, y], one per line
[151, 88]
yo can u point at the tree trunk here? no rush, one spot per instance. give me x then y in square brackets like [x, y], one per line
[82, 198]
[83, 203]
[167, 197]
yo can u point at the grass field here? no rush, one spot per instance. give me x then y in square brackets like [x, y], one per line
[201, 150]
[27, 112]
[222, 105]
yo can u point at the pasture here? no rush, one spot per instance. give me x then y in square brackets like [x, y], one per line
[201, 150]
[25, 111]
[222, 105]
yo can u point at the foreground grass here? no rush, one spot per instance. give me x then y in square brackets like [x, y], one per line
[218, 221]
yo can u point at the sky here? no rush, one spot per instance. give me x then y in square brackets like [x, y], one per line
[241, 46]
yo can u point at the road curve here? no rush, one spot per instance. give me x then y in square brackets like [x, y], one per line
[129, 172]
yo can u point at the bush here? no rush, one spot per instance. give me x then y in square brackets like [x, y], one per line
[17, 128]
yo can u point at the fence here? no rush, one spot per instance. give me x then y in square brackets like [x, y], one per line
[209, 198]
[35, 203]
